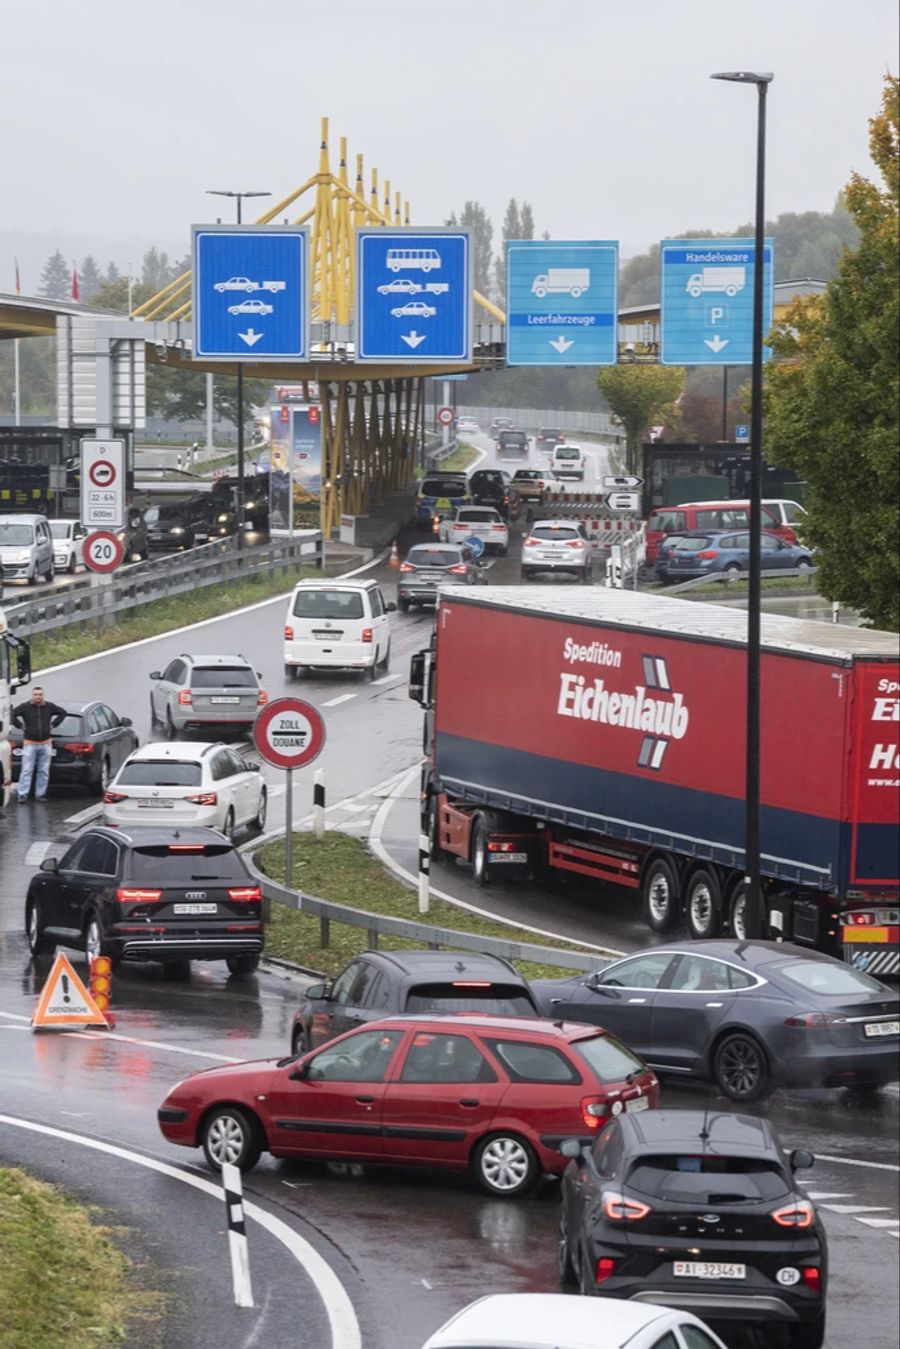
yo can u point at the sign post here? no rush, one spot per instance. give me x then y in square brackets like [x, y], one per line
[289, 733]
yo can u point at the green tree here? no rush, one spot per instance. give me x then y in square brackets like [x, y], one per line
[89, 279]
[832, 394]
[518, 223]
[474, 217]
[640, 396]
[56, 279]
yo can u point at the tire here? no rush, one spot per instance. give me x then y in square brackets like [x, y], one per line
[564, 1266]
[733, 570]
[703, 905]
[171, 732]
[526, 574]
[259, 821]
[737, 912]
[72, 564]
[300, 1043]
[659, 890]
[241, 967]
[808, 1334]
[403, 605]
[38, 943]
[740, 1068]
[481, 870]
[804, 564]
[586, 1285]
[93, 939]
[290, 672]
[102, 779]
[586, 576]
[154, 719]
[228, 824]
[229, 1134]
[33, 578]
[386, 663]
[371, 673]
[505, 1166]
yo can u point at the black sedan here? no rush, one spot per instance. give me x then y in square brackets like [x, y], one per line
[748, 1015]
[697, 1209]
[89, 747]
[428, 566]
[179, 525]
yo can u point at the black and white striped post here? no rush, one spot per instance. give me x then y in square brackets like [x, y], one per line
[237, 1235]
[319, 805]
[424, 869]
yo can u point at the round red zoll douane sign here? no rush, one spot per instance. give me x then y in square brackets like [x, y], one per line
[289, 733]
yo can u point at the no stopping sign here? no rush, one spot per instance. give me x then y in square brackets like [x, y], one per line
[289, 733]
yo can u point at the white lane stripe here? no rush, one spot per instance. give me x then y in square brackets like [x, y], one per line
[853, 1161]
[334, 702]
[36, 854]
[193, 627]
[880, 1222]
[345, 1332]
[127, 1039]
[89, 812]
[849, 1210]
[828, 1194]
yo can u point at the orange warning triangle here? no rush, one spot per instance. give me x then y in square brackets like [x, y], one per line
[65, 1001]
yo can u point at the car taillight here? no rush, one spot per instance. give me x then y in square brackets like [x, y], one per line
[77, 747]
[812, 1020]
[407, 566]
[245, 894]
[801, 1214]
[812, 1277]
[505, 845]
[604, 1269]
[708, 554]
[288, 634]
[367, 634]
[459, 569]
[593, 1112]
[125, 895]
[530, 543]
[110, 798]
[184, 697]
[506, 501]
[498, 526]
[203, 799]
[186, 847]
[262, 698]
[575, 543]
[471, 983]
[621, 1209]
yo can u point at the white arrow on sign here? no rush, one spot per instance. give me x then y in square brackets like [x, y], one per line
[624, 480]
[623, 501]
[717, 343]
[562, 344]
[251, 337]
[413, 339]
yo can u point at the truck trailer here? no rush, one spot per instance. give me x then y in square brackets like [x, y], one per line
[602, 732]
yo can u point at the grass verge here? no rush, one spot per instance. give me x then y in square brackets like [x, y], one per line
[63, 1280]
[460, 459]
[149, 620]
[340, 869]
[787, 585]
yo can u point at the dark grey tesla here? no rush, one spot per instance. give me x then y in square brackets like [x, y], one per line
[748, 1016]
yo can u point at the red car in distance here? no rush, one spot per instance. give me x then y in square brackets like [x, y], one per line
[496, 1095]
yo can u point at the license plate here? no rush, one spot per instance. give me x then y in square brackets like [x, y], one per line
[707, 1269]
[195, 908]
[638, 1103]
[224, 700]
[874, 1028]
[509, 857]
[147, 803]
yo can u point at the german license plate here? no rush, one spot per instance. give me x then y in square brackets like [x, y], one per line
[509, 856]
[148, 803]
[637, 1103]
[195, 908]
[224, 700]
[874, 1028]
[707, 1269]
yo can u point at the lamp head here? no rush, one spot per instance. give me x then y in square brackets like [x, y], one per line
[745, 76]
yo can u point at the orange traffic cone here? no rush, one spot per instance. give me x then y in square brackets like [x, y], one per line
[395, 556]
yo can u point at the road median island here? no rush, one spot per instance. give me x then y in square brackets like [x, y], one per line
[64, 1279]
[460, 459]
[341, 870]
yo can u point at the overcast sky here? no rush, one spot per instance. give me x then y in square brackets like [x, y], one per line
[602, 115]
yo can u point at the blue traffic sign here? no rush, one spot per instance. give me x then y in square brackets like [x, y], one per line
[476, 544]
[413, 295]
[742, 432]
[707, 301]
[561, 302]
[250, 292]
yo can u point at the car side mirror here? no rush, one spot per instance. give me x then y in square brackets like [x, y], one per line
[801, 1160]
[50, 864]
[125, 721]
[571, 1147]
[391, 607]
[155, 674]
[318, 992]
[252, 766]
[299, 1073]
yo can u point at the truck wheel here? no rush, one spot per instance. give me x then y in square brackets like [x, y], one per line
[481, 867]
[659, 889]
[703, 905]
[737, 911]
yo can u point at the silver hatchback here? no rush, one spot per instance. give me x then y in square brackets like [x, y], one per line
[194, 692]
[556, 545]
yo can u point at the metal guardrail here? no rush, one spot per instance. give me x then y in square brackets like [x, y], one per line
[427, 933]
[442, 452]
[735, 578]
[144, 582]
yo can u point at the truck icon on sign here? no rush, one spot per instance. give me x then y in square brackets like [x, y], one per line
[715, 280]
[572, 281]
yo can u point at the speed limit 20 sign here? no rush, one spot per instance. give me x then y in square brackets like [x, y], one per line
[103, 551]
[289, 733]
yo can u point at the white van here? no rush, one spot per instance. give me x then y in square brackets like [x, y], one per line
[26, 548]
[789, 513]
[567, 461]
[337, 625]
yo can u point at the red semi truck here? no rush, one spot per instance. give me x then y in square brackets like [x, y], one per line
[603, 732]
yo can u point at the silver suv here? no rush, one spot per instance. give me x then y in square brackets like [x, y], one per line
[556, 545]
[200, 691]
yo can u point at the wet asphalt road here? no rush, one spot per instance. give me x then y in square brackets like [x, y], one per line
[425, 1243]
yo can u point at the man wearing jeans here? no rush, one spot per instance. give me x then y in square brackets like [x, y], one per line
[37, 719]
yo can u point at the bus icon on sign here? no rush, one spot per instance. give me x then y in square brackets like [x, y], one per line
[424, 259]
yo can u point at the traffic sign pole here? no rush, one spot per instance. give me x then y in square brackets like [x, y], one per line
[289, 733]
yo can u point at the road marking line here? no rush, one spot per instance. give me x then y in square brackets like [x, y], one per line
[36, 853]
[880, 1222]
[851, 1210]
[83, 816]
[853, 1161]
[128, 1039]
[345, 1332]
[826, 1194]
[358, 805]
[333, 702]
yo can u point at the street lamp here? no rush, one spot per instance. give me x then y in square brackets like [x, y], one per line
[239, 198]
[753, 909]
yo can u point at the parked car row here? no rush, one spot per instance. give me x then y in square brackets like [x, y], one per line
[681, 557]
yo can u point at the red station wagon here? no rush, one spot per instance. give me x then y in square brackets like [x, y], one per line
[496, 1095]
[718, 515]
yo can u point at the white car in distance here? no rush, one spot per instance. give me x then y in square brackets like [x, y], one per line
[480, 522]
[187, 784]
[68, 544]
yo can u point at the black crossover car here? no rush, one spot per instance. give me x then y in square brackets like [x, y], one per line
[89, 746]
[381, 983]
[428, 566]
[148, 894]
[696, 1209]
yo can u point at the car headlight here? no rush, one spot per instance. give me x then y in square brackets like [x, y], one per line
[221, 519]
[22, 556]
[177, 530]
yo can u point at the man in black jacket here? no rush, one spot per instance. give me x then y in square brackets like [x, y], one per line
[37, 719]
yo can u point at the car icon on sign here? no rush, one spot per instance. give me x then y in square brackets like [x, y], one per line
[415, 309]
[236, 283]
[401, 285]
[251, 307]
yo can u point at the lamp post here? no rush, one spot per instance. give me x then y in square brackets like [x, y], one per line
[239, 198]
[753, 908]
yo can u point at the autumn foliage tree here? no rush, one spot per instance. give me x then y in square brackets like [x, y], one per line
[832, 395]
[640, 396]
